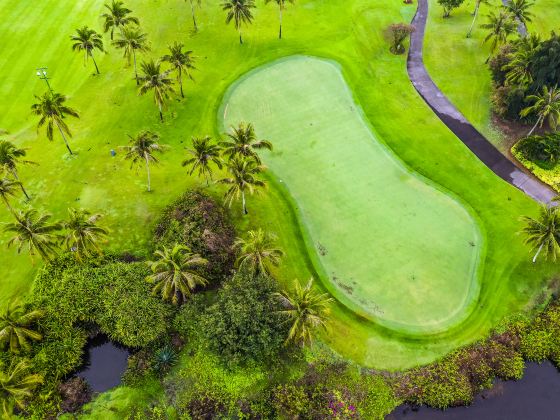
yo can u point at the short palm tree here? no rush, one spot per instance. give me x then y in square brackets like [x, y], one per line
[257, 253]
[33, 231]
[8, 188]
[16, 327]
[12, 156]
[174, 273]
[87, 40]
[281, 6]
[306, 310]
[475, 14]
[194, 3]
[117, 17]
[142, 149]
[204, 152]
[181, 61]
[546, 107]
[83, 234]
[519, 67]
[543, 233]
[132, 39]
[519, 9]
[501, 26]
[244, 178]
[242, 141]
[240, 12]
[50, 107]
[153, 79]
[16, 384]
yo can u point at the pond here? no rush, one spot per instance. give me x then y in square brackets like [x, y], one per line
[535, 396]
[104, 363]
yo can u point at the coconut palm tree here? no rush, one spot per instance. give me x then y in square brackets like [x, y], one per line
[174, 273]
[82, 233]
[193, 4]
[153, 79]
[181, 61]
[306, 310]
[142, 150]
[501, 26]
[242, 141]
[281, 6]
[257, 252]
[546, 106]
[132, 40]
[203, 153]
[519, 9]
[519, 67]
[10, 157]
[16, 384]
[475, 14]
[117, 17]
[8, 189]
[34, 232]
[87, 40]
[543, 233]
[16, 327]
[244, 178]
[50, 107]
[240, 12]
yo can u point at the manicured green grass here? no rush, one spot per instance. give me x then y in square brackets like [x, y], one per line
[381, 234]
[350, 33]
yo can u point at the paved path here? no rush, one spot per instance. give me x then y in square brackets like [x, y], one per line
[458, 124]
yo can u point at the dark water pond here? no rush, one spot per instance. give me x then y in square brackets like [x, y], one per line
[535, 397]
[104, 363]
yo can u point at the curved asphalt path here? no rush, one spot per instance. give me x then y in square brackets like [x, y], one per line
[458, 124]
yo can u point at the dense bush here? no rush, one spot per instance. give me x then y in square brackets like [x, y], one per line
[508, 101]
[540, 149]
[75, 393]
[545, 64]
[498, 62]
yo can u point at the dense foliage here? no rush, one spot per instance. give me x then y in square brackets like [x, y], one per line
[543, 150]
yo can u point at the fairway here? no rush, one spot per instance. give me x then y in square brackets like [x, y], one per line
[390, 244]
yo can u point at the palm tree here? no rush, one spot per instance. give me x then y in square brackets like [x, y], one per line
[181, 61]
[10, 157]
[240, 12]
[501, 26]
[281, 6]
[519, 67]
[519, 10]
[203, 153]
[117, 17]
[174, 274]
[142, 150]
[546, 106]
[132, 40]
[475, 14]
[193, 4]
[243, 142]
[33, 231]
[50, 107]
[16, 327]
[157, 81]
[16, 385]
[87, 40]
[305, 310]
[8, 189]
[257, 252]
[543, 233]
[82, 233]
[244, 173]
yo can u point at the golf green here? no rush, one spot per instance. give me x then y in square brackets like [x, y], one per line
[390, 244]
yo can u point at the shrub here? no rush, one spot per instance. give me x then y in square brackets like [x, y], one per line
[540, 149]
[544, 65]
[509, 101]
[75, 392]
[395, 34]
[449, 5]
[498, 62]
[290, 401]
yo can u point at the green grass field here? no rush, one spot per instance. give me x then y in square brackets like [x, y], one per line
[351, 34]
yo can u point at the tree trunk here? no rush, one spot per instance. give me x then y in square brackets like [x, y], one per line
[160, 113]
[94, 63]
[148, 170]
[64, 138]
[244, 203]
[10, 208]
[135, 70]
[180, 80]
[193, 16]
[280, 33]
[14, 174]
[240, 38]
[538, 252]
[534, 127]
[475, 14]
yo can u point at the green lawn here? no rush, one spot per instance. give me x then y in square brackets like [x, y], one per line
[351, 34]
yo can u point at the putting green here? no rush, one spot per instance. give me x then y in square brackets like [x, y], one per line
[389, 244]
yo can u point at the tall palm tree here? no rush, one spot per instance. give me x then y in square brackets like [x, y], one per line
[142, 150]
[475, 14]
[34, 232]
[242, 141]
[174, 273]
[501, 26]
[244, 178]
[546, 106]
[10, 157]
[153, 79]
[543, 233]
[240, 12]
[306, 310]
[281, 6]
[50, 107]
[519, 67]
[193, 4]
[16, 327]
[16, 384]
[257, 252]
[203, 153]
[117, 17]
[87, 40]
[8, 189]
[82, 233]
[181, 61]
[132, 40]
[519, 9]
